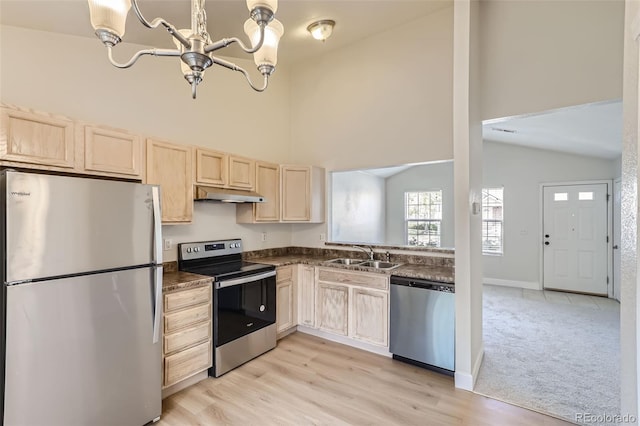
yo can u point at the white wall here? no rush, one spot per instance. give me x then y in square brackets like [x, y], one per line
[357, 207]
[425, 177]
[629, 302]
[382, 101]
[520, 171]
[213, 221]
[71, 75]
[539, 55]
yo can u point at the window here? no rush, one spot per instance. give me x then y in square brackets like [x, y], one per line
[423, 218]
[492, 217]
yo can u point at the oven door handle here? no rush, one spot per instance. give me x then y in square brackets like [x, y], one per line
[244, 280]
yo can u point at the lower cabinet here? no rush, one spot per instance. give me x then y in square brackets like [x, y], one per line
[306, 287]
[353, 304]
[285, 298]
[187, 345]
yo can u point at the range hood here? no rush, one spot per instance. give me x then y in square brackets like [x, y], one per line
[208, 193]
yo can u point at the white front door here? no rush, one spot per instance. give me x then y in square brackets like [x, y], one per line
[575, 238]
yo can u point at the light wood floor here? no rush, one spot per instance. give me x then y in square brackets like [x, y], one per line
[308, 380]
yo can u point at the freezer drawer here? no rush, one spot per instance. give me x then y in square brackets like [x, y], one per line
[82, 351]
[422, 324]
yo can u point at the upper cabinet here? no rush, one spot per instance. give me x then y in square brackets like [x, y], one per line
[303, 194]
[223, 170]
[111, 151]
[211, 167]
[267, 185]
[37, 138]
[242, 173]
[170, 166]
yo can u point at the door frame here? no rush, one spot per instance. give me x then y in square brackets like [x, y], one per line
[609, 183]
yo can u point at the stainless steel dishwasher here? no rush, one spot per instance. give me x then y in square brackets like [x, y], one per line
[422, 328]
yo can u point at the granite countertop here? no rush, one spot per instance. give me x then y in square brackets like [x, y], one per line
[172, 281]
[412, 270]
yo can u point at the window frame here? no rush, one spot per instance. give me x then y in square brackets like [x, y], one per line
[426, 220]
[486, 222]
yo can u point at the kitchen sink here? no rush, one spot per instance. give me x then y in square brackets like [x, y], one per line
[379, 264]
[346, 261]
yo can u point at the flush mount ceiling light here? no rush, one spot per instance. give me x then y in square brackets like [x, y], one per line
[321, 30]
[194, 45]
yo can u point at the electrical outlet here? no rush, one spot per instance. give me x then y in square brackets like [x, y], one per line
[168, 244]
[323, 236]
[264, 236]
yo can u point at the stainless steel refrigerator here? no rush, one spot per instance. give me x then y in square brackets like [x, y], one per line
[81, 301]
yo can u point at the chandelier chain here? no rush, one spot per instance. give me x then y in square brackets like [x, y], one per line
[201, 19]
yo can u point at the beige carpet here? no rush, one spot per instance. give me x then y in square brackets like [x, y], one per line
[552, 352]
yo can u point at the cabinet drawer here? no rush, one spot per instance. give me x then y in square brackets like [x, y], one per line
[284, 273]
[361, 279]
[185, 298]
[186, 363]
[189, 337]
[178, 320]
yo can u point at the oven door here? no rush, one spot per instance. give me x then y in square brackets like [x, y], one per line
[243, 305]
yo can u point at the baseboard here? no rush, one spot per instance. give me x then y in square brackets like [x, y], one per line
[529, 285]
[345, 341]
[467, 381]
[285, 333]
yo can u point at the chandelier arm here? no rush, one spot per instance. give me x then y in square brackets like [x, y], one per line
[234, 67]
[159, 21]
[227, 41]
[139, 54]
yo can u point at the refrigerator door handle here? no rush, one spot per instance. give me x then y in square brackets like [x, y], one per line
[157, 311]
[157, 225]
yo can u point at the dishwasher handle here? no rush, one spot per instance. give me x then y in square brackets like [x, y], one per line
[424, 284]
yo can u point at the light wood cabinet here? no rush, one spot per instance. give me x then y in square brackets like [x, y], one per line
[112, 152]
[303, 194]
[37, 138]
[306, 295]
[285, 299]
[242, 173]
[170, 166]
[332, 309]
[187, 346]
[370, 316]
[353, 304]
[267, 185]
[211, 168]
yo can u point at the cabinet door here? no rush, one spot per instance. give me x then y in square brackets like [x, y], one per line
[29, 137]
[211, 167]
[296, 197]
[242, 173]
[333, 308]
[268, 185]
[112, 151]
[307, 296]
[284, 306]
[370, 316]
[170, 166]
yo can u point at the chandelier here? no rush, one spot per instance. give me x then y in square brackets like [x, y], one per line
[194, 45]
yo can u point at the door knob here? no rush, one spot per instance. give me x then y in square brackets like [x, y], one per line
[615, 247]
[546, 243]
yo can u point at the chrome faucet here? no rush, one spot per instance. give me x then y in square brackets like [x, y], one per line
[369, 252]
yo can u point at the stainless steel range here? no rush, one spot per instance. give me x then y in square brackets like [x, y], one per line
[244, 301]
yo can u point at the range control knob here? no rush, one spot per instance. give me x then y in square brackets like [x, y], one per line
[196, 249]
[188, 249]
